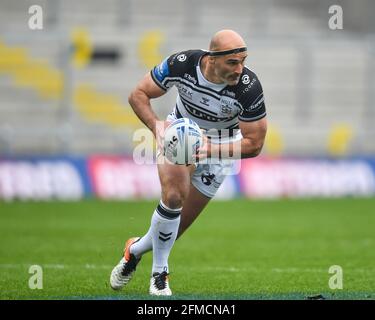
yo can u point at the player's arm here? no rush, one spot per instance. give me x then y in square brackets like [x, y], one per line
[254, 134]
[139, 100]
[252, 121]
[249, 146]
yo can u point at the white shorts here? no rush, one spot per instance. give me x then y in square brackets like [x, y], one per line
[207, 177]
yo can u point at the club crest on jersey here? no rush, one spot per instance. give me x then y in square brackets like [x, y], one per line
[226, 110]
[226, 106]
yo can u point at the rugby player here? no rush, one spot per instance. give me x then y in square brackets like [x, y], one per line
[217, 91]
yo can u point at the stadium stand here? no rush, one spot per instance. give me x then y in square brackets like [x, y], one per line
[313, 83]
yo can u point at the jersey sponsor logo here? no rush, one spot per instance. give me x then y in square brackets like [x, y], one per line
[181, 57]
[257, 103]
[245, 79]
[229, 93]
[226, 101]
[162, 70]
[250, 84]
[190, 78]
[201, 115]
[184, 91]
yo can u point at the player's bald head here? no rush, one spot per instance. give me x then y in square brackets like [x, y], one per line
[226, 57]
[226, 40]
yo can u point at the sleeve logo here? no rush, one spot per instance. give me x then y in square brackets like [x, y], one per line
[256, 104]
[245, 79]
[162, 70]
[181, 57]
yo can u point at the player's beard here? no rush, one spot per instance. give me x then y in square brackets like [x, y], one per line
[228, 78]
[232, 79]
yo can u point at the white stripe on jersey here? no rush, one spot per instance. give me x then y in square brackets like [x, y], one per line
[203, 103]
[179, 79]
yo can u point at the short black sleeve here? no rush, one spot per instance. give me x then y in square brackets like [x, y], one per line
[173, 67]
[251, 98]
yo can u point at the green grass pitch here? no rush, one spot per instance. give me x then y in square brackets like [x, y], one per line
[240, 249]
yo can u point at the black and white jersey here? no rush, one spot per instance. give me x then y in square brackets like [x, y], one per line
[210, 105]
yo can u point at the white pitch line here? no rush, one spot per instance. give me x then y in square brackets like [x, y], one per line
[177, 268]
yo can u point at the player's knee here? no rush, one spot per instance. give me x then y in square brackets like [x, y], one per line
[174, 198]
